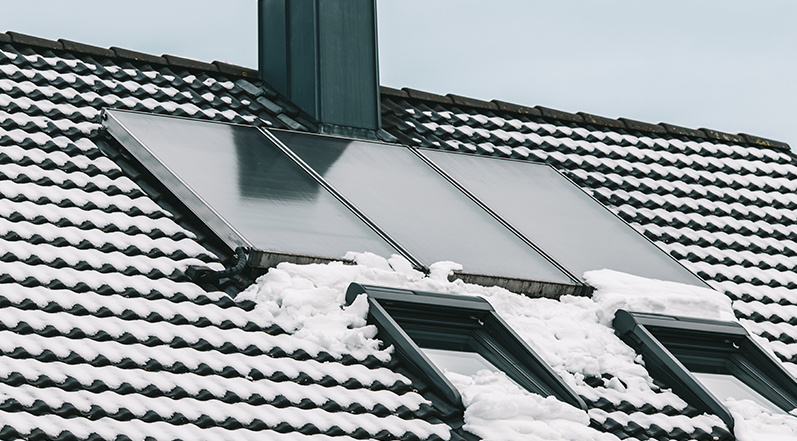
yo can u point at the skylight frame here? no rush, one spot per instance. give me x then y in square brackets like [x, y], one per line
[673, 346]
[397, 313]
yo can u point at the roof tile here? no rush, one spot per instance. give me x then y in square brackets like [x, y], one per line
[763, 142]
[472, 102]
[138, 56]
[233, 69]
[188, 63]
[427, 96]
[683, 131]
[643, 126]
[516, 108]
[601, 120]
[560, 115]
[86, 49]
[384, 90]
[16, 37]
[722, 136]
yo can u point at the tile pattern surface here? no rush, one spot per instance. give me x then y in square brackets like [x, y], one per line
[723, 205]
[102, 335]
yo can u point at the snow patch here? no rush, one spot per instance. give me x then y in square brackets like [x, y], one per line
[616, 290]
[573, 335]
[497, 409]
[752, 422]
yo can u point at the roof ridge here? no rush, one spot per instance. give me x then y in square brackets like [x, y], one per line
[127, 54]
[587, 118]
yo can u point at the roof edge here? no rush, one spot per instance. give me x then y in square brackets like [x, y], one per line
[555, 115]
[130, 55]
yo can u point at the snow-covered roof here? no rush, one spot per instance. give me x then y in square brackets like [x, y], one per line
[103, 336]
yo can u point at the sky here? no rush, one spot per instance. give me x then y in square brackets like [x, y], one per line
[728, 65]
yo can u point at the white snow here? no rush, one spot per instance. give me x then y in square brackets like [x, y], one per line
[754, 423]
[497, 409]
[573, 335]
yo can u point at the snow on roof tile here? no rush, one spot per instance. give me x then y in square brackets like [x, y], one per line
[723, 206]
[101, 333]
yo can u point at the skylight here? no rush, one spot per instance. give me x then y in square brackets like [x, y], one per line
[707, 361]
[438, 333]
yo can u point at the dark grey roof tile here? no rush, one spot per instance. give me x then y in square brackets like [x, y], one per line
[138, 56]
[28, 40]
[560, 115]
[601, 121]
[683, 131]
[238, 71]
[82, 48]
[643, 126]
[427, 96]
[763, 142]
[516, 108]
[472, 102]
[384, 90]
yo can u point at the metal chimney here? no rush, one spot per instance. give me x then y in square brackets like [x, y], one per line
[322, 55]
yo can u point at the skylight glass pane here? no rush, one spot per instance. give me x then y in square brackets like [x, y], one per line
[461, 362]
[416, 206]
[559, 217]
[256, 188]
[725, 386]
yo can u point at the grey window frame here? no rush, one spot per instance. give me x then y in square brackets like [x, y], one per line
[673, 346]
[397, 313]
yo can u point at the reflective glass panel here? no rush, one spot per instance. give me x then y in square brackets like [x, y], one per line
[461, 362]
[430, 217]
[559, 217]
[725, 386]
[251, 184]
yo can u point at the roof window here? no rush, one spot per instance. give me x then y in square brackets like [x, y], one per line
[435, 333]
[707, 361]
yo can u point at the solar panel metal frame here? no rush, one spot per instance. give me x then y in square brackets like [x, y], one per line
[515, 284]
[465, 190]
[231, 237]
[204, 211]
[193, 201]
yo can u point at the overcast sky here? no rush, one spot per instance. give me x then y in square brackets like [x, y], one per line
[724, 64]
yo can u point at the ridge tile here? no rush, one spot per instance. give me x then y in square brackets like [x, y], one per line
[189, 63]
[683, 131]
[427, 96]
[517, 108]
[472, 102]
[234, 69]
[601, 120]
[560, 115]
[29, 40]
[86, 49]
[724, 137]
[756, 140]
[138, 56]
[384, 90]
[643, 126]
